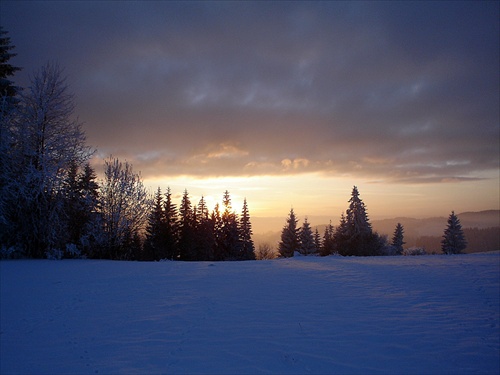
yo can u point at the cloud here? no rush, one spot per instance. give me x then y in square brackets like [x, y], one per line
[389, 91]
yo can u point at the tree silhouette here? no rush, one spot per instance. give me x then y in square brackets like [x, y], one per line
[453, 239]
[289, 237]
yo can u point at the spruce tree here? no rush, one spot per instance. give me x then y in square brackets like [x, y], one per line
[218, 233]
[317, 241]
[186, 228]
[171, 227]
[398, 239]
[248, 247]
[453, 239]
[204, 235]
[328, 245]
[307, 245]
[154, 245]
[230, 242]
[8, 91]
[354, 235]
[356, 216]
[289, 237]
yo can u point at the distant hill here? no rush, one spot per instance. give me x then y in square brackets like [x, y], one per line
[435, 226]
[425, 232]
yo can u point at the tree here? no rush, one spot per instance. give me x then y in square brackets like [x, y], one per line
[230, 244]
[317, 241]
[218, 233]
[187, 245]
[80, 199]
[289, 237]
[248, 248]
[45, 142]
[8, 91]
[356, 216]
[398, 239]
[328, 245]
[264, 252]
[204, 234]
[354, 235]
[89, 215]
[171, 227]
[124, 206]
[155, 242]
[8, 101]
[453, 239]
[307, 245]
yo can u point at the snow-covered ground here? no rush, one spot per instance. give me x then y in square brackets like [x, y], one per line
[427, 314]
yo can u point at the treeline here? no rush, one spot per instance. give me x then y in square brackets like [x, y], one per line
[354, 236]
[51, 204]
[192, 233]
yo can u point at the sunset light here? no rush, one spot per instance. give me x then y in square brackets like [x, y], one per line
[288, 104]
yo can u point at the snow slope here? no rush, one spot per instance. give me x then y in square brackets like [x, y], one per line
[427, 314]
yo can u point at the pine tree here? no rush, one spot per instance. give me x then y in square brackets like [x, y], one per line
[328, 245]
[248, 247]
[307, 245]
[89, 196]
[289, 237]
[154, 244]
[218, 233]
[186, 228]
[354, 235]
[204, 235]
[171, 228]
[317, 241]
[398, 239]
[453, 239]
[341, 236]
[8, 91]
[230, 244]
[356, 216]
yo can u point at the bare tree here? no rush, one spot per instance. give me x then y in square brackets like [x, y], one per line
[265, 251]
[124, 207]
[45, 141]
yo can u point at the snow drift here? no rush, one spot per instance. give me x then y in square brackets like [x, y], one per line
[428, 314]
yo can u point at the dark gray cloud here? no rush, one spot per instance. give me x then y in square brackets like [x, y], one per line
[397, 91]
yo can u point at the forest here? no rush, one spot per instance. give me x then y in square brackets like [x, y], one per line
[53, 206]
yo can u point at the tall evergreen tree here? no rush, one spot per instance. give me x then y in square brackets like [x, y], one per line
[354, 235]
[453, 239]
[230, 243]
[328, 245]
[289, 237]
[171, 227]
[8, 101]
[90, 219]
[356, 216]
[248, 247]
[154, 244]
[307, 245]
[398, 239]
[317, 241]
[8, 91]
[218, 235]
[186, 228]
[204, 236]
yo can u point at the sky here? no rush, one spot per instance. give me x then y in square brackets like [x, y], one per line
[288, 104]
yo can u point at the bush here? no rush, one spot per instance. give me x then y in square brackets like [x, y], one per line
[265, 251]
[414, 251]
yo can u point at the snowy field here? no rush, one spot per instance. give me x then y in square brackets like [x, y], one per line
[400, 315]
